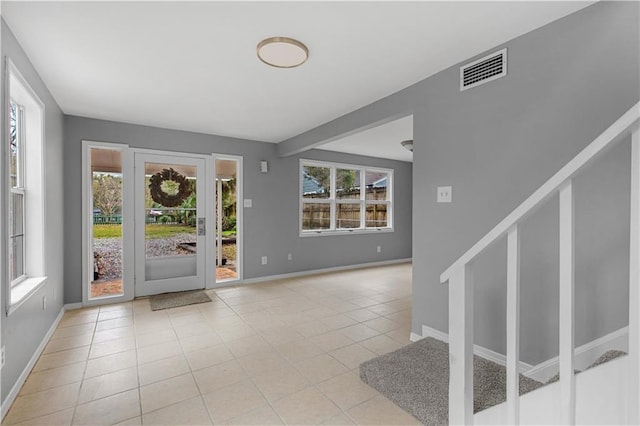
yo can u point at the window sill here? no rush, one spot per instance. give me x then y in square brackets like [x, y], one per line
[323, 233]
[21, 292]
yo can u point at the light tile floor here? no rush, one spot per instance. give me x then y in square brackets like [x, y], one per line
[279, 352]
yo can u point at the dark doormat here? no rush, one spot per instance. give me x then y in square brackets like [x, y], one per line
[416, 378]
[174, 300]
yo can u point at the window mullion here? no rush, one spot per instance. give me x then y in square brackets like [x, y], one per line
[332, 198]
[363, 191]
[20, 125]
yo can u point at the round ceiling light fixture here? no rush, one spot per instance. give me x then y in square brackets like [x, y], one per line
[282, 52]
[408, 144]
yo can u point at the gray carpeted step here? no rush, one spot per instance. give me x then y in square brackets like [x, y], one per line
[605, 357]
[416, 378]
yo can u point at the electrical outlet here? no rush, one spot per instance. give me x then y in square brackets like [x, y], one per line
[379, 249]
[2, 356]
[264, 260]
[44, 303]
[444, 194]
[289, 256]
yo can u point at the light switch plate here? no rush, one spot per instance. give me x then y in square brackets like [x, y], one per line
[444, 194]
[248, 202]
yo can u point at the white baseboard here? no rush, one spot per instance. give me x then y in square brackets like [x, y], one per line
[584, 355]
[321, 271]
[72, 306]
[13, 394]
[481, 351]
[414, 337]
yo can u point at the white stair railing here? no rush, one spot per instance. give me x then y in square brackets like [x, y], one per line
[460, 278]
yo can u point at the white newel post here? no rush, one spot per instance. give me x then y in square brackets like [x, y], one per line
[567, 377]
[634, 284]
[461, 346]
[513, 326]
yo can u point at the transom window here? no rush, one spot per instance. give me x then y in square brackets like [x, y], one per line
[342, 198]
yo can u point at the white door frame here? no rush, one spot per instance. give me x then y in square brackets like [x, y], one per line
[203, 274]
[128, 211]
[239, 219]
[127, 223]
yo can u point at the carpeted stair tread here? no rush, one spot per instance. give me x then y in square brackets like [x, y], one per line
[416, 378]
[605, 357]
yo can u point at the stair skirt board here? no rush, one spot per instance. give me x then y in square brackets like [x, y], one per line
[601, 398]
[585, 355]
[478, 350]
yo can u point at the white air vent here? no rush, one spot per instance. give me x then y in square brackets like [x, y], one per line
[483, 70]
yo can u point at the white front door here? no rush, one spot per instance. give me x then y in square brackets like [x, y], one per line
[170, 224]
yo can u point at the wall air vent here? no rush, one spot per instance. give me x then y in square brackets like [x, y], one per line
[483, 70]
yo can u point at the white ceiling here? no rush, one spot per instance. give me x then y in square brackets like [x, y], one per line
[383, 141]
[193, 66]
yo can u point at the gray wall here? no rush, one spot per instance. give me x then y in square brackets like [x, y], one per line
[270, 226]
[25, 328]
[497, 143]
[567, 82]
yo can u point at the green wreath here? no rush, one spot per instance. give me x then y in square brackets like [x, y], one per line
[160, 196]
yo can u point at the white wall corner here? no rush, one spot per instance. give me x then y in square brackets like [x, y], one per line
[481, 351]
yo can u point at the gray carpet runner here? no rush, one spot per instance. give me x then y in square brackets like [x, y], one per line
[416, 378]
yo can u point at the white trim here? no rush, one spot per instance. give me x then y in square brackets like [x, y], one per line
[23, 291]
[634, 283]
[144, 284]
[344, 231]
[13, 394]
[583, 355]
[87, 222]
[239, 220]
[333, 201]
[73, 306]
[513, 326]
[481, 351]
[414, 337]
[322, 271]
[34, 214]
[566, 316]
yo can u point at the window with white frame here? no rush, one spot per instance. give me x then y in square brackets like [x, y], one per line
[25, 218]
[17, 270]
[342, 198]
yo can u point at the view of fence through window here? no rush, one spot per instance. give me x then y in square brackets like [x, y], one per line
[106, 190]
[334, 198]
[169, 231]
[170, 227]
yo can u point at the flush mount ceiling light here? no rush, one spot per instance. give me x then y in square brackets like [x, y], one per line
[408, 144]
[282, 52]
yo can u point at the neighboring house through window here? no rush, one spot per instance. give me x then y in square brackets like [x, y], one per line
[342, 198]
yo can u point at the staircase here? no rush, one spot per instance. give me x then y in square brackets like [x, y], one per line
[613, 390]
